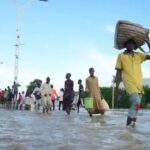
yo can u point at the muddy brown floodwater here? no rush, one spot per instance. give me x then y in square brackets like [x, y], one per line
[26, 130]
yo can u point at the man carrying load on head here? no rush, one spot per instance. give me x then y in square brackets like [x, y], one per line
[128, 69]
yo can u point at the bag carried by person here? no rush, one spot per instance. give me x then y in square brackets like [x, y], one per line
[104, 105]
[126, 30]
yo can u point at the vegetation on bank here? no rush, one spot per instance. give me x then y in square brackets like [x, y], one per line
[123, 101]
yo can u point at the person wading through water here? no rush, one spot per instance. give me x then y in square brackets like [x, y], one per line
[81, 89]
[68, 94]
[128, 69]
[46, 95]
[93, 89]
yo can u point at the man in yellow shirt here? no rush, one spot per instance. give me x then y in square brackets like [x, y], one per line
[128, 69]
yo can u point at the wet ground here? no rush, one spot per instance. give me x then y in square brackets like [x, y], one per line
[26, 130]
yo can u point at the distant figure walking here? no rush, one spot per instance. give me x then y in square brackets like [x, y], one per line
[68, 94]
[54, 96]
[9, 98]
[15, 90]
[37, 94]
[61, 94]
[81, 89]
[46, 95]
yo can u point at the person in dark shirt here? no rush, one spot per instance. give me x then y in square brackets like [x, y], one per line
[79, 103]
[15, 90]
[68, 94]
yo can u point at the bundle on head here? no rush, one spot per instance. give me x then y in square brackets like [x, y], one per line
[126, 30]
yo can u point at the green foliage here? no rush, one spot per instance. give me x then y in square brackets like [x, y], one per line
[123, 101]
[85, 94]
[106, 92]
[33, 84]
[146, 96]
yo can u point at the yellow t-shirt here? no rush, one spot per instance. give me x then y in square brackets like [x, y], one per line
[131, 71]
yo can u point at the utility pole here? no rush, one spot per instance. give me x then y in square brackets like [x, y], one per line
[17, 45]
[20, 8]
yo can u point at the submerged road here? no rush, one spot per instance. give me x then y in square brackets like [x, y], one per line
[26, 130]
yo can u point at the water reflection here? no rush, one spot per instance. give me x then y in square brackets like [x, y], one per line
[24, 130]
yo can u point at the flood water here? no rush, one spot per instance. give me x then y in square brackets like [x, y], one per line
[26, 130]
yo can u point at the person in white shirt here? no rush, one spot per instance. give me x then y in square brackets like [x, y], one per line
[61, 94]
[22, 101]
[46, 96]
[37, 94]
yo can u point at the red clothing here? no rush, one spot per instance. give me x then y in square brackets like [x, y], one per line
[53, 94]
[1, 95]
[20, 98]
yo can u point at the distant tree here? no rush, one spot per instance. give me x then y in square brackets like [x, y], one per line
[33, 84]
[146, 96]
[123, 101]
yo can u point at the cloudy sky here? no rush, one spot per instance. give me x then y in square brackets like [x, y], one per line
[61, 36]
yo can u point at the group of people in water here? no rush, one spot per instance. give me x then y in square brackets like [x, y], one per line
[45, 95]
[128, 70]
[48, 94]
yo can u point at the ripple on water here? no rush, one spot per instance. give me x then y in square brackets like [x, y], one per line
[21, 130]
[17, 146]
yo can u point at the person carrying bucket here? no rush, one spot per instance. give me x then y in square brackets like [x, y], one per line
[128, 69]
[93, 89]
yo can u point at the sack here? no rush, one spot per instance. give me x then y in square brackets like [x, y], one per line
[88, 102]
[104, 105]
[126, 30]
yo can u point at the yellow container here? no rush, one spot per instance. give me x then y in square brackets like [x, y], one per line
[88, 101]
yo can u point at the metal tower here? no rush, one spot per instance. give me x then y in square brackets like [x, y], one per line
[20, 7]
[17, 45]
